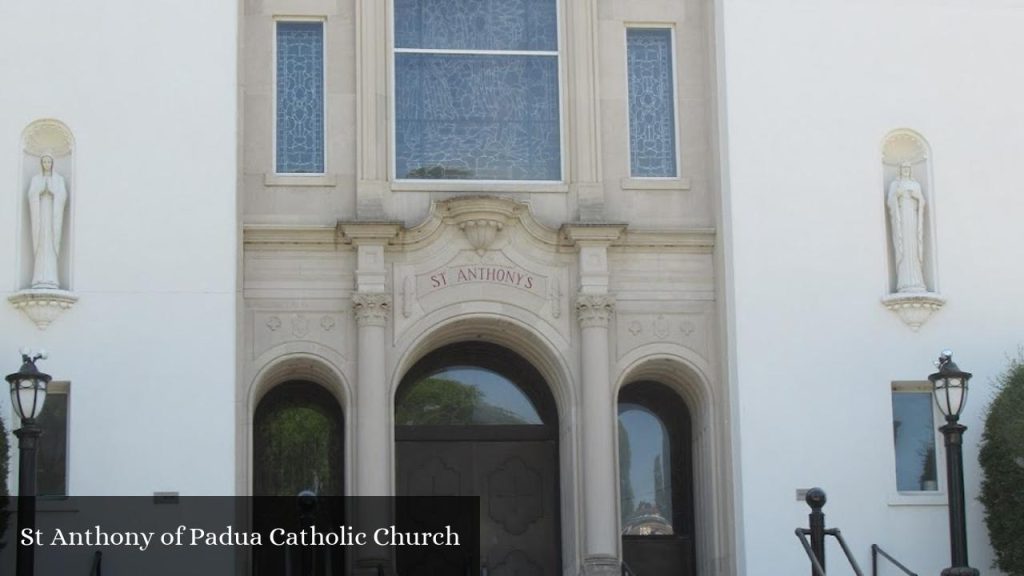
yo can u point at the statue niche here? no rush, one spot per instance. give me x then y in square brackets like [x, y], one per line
[46, 181]
[911, 292]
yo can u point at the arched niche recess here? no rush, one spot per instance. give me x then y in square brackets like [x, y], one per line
[45, 224]
[908, 194]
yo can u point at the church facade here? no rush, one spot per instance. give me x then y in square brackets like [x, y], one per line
[638, 274]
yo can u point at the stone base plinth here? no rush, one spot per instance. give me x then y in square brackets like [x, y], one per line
[914, 308]
[43, 306]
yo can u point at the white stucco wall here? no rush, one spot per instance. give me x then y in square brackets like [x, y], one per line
[150, 95]
[812, 88]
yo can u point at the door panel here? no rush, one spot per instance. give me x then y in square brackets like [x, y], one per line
[517, 482]
[658, 555]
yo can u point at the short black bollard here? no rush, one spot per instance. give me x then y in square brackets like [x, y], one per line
[816, 499]
[307, 517]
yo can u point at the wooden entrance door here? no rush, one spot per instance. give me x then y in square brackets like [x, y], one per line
[517, 482]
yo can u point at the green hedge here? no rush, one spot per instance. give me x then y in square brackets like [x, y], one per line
[1002, 459]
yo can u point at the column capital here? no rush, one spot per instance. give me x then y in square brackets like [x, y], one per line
[594, 309]
[371, 308]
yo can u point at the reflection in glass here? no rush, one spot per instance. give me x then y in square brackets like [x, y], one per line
[645, 472]
[465, 395]
[298, 442]
[914, 438]
[52, 467]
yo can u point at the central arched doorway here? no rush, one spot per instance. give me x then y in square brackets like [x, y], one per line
[476, 419]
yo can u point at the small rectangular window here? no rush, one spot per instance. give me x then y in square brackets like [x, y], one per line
[52, 455]
[299, 122]
[913, 425]
[652, 117]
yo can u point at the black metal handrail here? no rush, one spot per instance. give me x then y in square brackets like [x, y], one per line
[813, 538]
[97, 564]
[877, 551]
[626, 570]
[816, 565]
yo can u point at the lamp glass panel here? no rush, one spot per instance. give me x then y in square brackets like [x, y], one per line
[30, 399]
[949, 397]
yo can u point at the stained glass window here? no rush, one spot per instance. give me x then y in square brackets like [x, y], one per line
[476, 90]
[300, 98]
[652, 124]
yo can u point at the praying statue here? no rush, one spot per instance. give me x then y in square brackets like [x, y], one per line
[906, 214]
[47, 196]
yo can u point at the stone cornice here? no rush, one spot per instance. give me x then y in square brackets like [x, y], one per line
[285, 234]
[470, 212]
[377, 232]
[580, 233]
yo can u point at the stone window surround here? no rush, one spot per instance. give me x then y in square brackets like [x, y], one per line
[639, 180]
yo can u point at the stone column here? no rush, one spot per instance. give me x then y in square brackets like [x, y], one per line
[372, 473]
[601, 507]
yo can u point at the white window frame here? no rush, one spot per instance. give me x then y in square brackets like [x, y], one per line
[918, 497]
[640, 181]
[295, 178]
[468, 185]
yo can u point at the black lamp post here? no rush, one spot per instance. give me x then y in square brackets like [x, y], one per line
[950, 386]
[28, 393]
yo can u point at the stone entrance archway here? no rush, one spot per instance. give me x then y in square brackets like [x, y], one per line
[475, 419]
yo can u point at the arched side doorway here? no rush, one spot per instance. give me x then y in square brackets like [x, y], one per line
[656, 480]
[298, 446]
[475, 419]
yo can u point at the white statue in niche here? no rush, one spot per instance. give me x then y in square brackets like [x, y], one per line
[906, 214]
[47, 196]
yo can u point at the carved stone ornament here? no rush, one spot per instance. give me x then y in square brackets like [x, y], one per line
[555, 297]
[371, 308]
[594, 309]
[480, 219]
[50, 137]
[43, 306]
[481, 233]
[914, 309]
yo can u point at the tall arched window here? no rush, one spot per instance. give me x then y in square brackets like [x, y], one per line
[655, 480]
